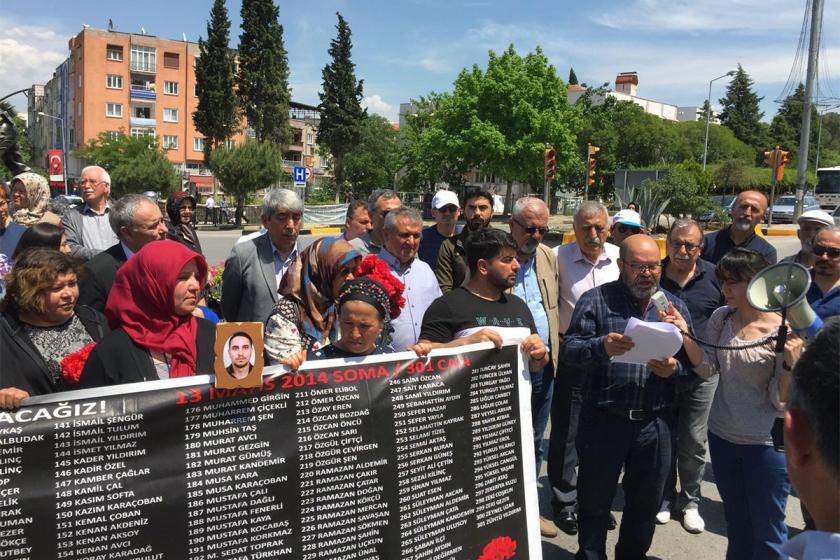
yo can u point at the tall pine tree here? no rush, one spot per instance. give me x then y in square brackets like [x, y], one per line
[217, 114]
[573, 81]
[263, 77]
[341, 103]
[741, 112]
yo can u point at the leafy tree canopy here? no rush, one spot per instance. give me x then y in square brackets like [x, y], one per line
[741, 111]
[375, 159]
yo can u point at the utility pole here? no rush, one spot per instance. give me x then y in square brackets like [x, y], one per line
[805, 135]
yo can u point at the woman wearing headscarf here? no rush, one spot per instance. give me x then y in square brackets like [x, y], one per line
[150, 309]
[304, 317]
[31, 196]
[179, 214]
[366, 306]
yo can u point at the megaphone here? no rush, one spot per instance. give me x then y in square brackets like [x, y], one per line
[783, 287]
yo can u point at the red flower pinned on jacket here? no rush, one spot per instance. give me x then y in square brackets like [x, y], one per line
[500, 548]
[376, 269]
[73, 364]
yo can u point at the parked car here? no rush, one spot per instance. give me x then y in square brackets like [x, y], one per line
[782, 210]
[71, 199]
[719, 204]
[837, 217]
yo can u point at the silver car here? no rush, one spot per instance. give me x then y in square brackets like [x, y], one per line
[836, 217]
[783, 207]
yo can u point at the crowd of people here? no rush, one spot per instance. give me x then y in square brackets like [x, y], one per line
[121, 285]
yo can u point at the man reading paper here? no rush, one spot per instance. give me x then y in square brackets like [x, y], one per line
[626, 417]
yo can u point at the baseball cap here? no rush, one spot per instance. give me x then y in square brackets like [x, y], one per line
[442, 198]
[820, 216]
[628, 218]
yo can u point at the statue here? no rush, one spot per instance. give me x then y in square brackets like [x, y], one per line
[9, 149]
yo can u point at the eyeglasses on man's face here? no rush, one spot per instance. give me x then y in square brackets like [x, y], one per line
[622, 228]
[832, 252]
[640, 268]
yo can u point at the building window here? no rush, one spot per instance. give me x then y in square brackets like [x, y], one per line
[198, 144]
[114, 110]
[79, 109]
[142, 58]
[170, 88]
[170, 142]
[113, 81]
[170, 115]
[310, 138]
[114, 52]
[140, 132]
[230, 144]
[170, 60]
[113, 134]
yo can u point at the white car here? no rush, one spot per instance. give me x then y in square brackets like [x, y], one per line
[783, 208]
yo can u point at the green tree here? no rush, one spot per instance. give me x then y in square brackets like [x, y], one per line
[244, 169]
[375, 160]
[263, 78]
[787, 124]
[722, 143]
[217, 113]
[732, 175]
[741, 111]
[341, 103]
[573, 79]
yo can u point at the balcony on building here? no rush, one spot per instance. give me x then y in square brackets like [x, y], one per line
[142, 114]
[143, 59]
[142, 88]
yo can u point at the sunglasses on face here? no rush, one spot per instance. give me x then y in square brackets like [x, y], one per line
[532, 230]
[449, 208]
[832, 252]
[631, 229]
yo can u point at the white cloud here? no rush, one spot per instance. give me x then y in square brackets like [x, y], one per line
[29, 55]
[375, 104]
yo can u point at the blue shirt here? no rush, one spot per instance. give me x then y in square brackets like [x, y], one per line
[430, 245]
[718, 243]
[813, 545]
[528, 289]
[608, 384]
[421, 289]
[701, 293]
[824, 305]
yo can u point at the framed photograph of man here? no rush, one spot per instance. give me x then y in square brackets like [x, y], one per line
[239, 355]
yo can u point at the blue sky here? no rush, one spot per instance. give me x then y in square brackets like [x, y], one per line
[406, 48]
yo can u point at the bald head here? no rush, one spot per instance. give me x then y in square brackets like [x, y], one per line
[748, 210]
[638, 244]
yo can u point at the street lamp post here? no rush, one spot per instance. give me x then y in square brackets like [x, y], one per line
[709, 114]
[63, 148]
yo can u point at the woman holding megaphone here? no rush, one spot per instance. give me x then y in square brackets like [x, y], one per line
[750, 472]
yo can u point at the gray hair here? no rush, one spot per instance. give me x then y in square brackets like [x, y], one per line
[123, 211]
[277, 200]
[589, 208]
[402, 212]
[527, 202]
[684, 223]
[387, 194]
[103, 175]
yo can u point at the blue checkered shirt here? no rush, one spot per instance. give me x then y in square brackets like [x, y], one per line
[619, 387]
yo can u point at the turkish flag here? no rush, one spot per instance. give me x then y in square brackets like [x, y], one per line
[56, 165]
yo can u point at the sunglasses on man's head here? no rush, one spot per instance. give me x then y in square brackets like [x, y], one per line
[622, 228]
[832, 252]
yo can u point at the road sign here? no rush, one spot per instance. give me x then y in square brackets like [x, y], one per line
[299, 175]
[309, 175]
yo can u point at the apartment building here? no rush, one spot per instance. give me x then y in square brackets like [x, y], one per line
[142, 85]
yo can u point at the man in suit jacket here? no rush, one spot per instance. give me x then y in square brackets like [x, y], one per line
[136, 221]
[255, 267]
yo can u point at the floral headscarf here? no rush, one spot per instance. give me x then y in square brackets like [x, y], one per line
[309, 283]
[38, 194]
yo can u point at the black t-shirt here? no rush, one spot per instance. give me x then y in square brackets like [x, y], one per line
[457, 313]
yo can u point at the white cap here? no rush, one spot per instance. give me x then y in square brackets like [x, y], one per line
[820, 216]
[442, 198]
[628, 217]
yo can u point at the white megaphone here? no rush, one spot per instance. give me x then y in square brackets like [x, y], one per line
[783, 287]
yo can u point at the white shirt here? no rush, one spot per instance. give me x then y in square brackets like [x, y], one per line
[579, 275]
[281, 265]
[209, 203]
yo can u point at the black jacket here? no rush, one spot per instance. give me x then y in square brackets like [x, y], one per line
[118, 360]
[99, 274]
[22, 365]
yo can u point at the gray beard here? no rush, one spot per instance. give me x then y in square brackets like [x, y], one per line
[742, 224]
[643, 294]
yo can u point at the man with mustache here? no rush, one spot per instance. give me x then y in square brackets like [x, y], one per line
[747, 212]
[451, 269]
[626, 418]
[810, 224]
[693, 280]
[585, 264]
[537, 283]
[824, 295]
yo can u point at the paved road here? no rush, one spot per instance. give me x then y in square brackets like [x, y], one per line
[670, 542]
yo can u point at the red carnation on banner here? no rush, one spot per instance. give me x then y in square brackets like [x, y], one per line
[500, 548]
[73, 364]
[376, 269]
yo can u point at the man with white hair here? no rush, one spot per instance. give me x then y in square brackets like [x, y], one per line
[810, 224]
[255, 267]
[87, 229]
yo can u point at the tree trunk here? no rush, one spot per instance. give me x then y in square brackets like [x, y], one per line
[509, 197]
[240, 202]
[338, 169]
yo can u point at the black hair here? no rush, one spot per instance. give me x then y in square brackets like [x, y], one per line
[478, 193]
[740, 265]
[39, 235]
[351, 208]
[242, 334]
[815, 390]
[486, 244]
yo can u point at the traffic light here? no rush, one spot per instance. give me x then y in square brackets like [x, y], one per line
[550, 157]
[784, 157]
[769, 157]
[590, 163]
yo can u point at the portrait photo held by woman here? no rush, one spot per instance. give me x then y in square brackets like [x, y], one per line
[180, 208]
[750, 472]
[304, 317]
[150, 309]
[41, 325]
[31, 196]
[366, 306]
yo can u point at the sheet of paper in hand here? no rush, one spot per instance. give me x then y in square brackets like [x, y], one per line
[651, 341]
